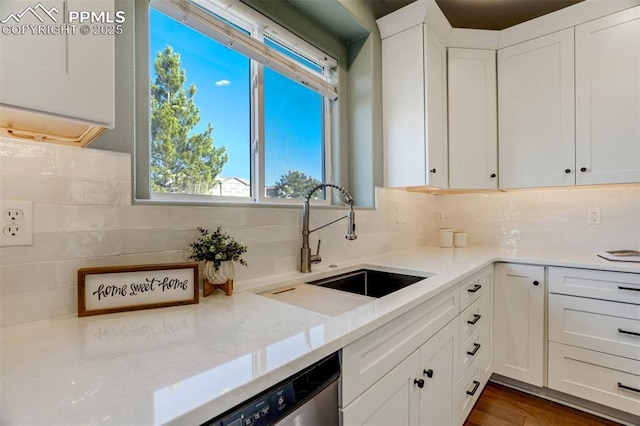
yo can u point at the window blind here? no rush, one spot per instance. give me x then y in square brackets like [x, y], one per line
[198, 15]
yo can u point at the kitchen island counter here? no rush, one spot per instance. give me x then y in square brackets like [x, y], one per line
[187, 364]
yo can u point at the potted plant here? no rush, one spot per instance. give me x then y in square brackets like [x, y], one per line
[218, 251]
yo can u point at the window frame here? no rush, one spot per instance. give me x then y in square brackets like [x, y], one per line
[259, 27]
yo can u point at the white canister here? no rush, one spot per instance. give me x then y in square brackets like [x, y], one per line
[459, 239]
[446, 237]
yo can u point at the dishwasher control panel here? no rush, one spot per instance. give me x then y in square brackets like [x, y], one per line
[289, 398]
[265, 410]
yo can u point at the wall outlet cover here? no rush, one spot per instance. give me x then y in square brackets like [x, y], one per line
[16, 223]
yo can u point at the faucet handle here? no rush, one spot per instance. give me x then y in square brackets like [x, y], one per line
[316, 258]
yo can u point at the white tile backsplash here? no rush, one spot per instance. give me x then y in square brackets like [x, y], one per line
[83, 217]
[553, 219]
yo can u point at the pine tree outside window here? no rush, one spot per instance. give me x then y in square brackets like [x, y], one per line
[225, 126]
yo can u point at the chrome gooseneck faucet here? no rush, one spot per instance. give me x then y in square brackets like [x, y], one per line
[306, 258]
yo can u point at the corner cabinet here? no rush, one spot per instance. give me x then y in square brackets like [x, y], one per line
[608, 99]
[414, 108]
[58, 87]
[473, 121]
[536, 112]
[519, 322]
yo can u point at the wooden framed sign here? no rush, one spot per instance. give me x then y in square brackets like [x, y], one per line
[127, 288]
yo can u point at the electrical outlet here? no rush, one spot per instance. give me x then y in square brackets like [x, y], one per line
[12, 231]
[16, 223]
[440, 216]
[13, 215]
[595, 216]
[403, 216]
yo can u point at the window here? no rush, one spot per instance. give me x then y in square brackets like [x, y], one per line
[239, 107]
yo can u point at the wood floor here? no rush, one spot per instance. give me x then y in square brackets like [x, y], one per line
[500, 406]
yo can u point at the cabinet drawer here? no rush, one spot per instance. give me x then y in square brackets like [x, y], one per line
[471, 385]
[598, 325]
[606, 285]
[606, 379]
[472, 318]
[366, 360]
[474, 348]
[474, 287]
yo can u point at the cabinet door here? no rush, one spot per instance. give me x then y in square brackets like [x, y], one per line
[403, 89]
[473, 122]
[439, 370]
[414, 92]
[518, 345]
[608, 99]
[391, 401]
[536, 112]
[68, 74]
[435, 58]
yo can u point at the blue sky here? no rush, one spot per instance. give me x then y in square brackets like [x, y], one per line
[292, 128]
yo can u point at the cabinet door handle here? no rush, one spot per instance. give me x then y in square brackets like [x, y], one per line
[567, 171]
[476, 385]
[428, 373]
[536, 283]
[475, 319]
[493, 175]
[628, 288]
[583, 169]
[476, 348]
[633, 333]
[629, 388]
[432, 170]
[474, 288]
[419, 382]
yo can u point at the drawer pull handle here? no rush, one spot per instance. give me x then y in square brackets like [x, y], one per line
[476, 385]
[628, 288]
[476, 348]
[629, 388]
[633, 333]
[428, 373]
[475, 319]
[419, 382]
[474, 288]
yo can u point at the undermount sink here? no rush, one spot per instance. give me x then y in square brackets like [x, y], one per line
[369, 282]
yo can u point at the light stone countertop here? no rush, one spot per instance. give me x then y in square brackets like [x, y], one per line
[187, 364]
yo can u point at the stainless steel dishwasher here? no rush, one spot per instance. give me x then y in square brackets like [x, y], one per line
[309, 397]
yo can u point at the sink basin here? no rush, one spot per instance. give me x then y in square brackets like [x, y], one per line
[368, 282]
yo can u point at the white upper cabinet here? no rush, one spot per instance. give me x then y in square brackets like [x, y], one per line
[58, 85]
[473, 138]
[536, 110]
[608, 99]
[414, 108]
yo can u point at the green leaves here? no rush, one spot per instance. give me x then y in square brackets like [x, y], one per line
[181, 162]
[294, 184]
[216, 247]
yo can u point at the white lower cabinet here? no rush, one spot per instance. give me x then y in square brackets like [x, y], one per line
[519, 319]
[439, 370]
[393, 400]
[419, 390]
[595, 376]
[409, 371]
[594, 336]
